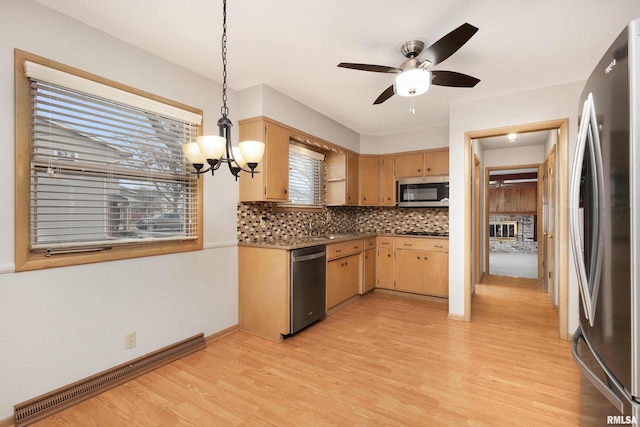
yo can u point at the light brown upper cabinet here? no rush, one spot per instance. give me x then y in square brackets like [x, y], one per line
[406, 165]
[387, 182]
[369, 180]
[342, 178]
[272, 183]
[436, 162]
[424, 163]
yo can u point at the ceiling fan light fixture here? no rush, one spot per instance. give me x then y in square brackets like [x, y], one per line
[413, 82]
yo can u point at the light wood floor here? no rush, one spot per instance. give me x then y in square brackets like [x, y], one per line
[383, 360]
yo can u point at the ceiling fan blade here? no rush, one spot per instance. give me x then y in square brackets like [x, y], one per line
[369, 67]
[388, 93]
[453, 79]
[449, 44]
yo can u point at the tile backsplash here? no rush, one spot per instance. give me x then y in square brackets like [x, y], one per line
[266, 221]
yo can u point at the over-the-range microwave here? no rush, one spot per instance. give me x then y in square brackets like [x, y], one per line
[427, 192]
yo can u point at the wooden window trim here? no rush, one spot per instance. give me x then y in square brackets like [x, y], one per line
[25, 259]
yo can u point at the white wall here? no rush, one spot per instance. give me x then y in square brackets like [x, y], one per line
[529, 155]
[263, 100]
[419, 139]
[64, 324]
[550, 103]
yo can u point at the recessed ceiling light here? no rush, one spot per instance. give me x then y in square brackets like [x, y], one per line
[512, 137]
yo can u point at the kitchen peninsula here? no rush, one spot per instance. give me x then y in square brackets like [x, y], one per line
[356, 264]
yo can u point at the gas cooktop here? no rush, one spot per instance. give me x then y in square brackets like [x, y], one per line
[424, 233]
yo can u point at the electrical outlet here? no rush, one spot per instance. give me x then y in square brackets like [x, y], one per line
[130, 340]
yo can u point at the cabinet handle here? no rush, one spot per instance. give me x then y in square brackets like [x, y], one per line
[338, 251]
[389, 255]
[285, 191]
[407, 244]
[356, 247]
[418, 257]
[346, 263]
[366, 257]
[364, 198]
[428, 169]
[419, 170]
[437, 246]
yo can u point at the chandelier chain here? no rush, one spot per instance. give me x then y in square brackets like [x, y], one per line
[224, 110]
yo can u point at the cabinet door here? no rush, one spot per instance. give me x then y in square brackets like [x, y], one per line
[353, 275]
[369, 271]
[410, 268]
[272, 183]
[436, 162]
[369, 180]
[436, 281]
[385, 268]
[406, 165]
[343, 279]
[277, 163]
[388, 182]
[353, 168]
[334, 282]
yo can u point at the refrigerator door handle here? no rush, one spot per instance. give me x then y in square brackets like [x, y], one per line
[588, 284]
[593, 379]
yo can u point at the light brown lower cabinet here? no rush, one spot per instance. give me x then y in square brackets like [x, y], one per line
[414, 265]
[369, 279]
[423, 272]
[263, 291]
[343, 279]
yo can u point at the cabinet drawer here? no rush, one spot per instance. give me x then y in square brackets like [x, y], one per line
[385, 242]
[370, 243]
[338, 250]
[439, 245]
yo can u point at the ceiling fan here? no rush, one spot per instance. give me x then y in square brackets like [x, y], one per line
[414, 75]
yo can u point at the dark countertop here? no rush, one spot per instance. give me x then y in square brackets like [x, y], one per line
[303, 242]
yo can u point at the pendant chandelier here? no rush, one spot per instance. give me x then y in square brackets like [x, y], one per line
[217, 149]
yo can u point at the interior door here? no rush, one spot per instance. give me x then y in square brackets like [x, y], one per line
[550, 245]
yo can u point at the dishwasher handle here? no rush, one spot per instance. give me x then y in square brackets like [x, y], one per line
[308, 257]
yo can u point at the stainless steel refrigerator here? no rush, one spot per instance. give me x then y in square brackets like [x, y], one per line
[604, 227]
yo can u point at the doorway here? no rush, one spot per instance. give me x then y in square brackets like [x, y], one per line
[560, 129]
[513, 224]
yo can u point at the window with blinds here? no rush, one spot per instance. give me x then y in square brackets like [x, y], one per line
[106, 167]
[306, 183]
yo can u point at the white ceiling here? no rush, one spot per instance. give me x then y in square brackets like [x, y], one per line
[523, 140]
[294, 46]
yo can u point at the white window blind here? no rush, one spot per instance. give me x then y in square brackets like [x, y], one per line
[305, 176]
[103, 172]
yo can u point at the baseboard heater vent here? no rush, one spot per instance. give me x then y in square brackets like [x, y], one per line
[43, 406]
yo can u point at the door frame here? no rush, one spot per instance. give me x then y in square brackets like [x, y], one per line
[562, 126]
[477, 206]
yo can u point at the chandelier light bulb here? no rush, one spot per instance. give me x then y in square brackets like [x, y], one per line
[251, 151]
[237, 156]
[211, 146]
[193, 154]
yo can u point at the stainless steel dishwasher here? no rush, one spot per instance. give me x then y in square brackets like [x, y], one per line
[308, 286]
